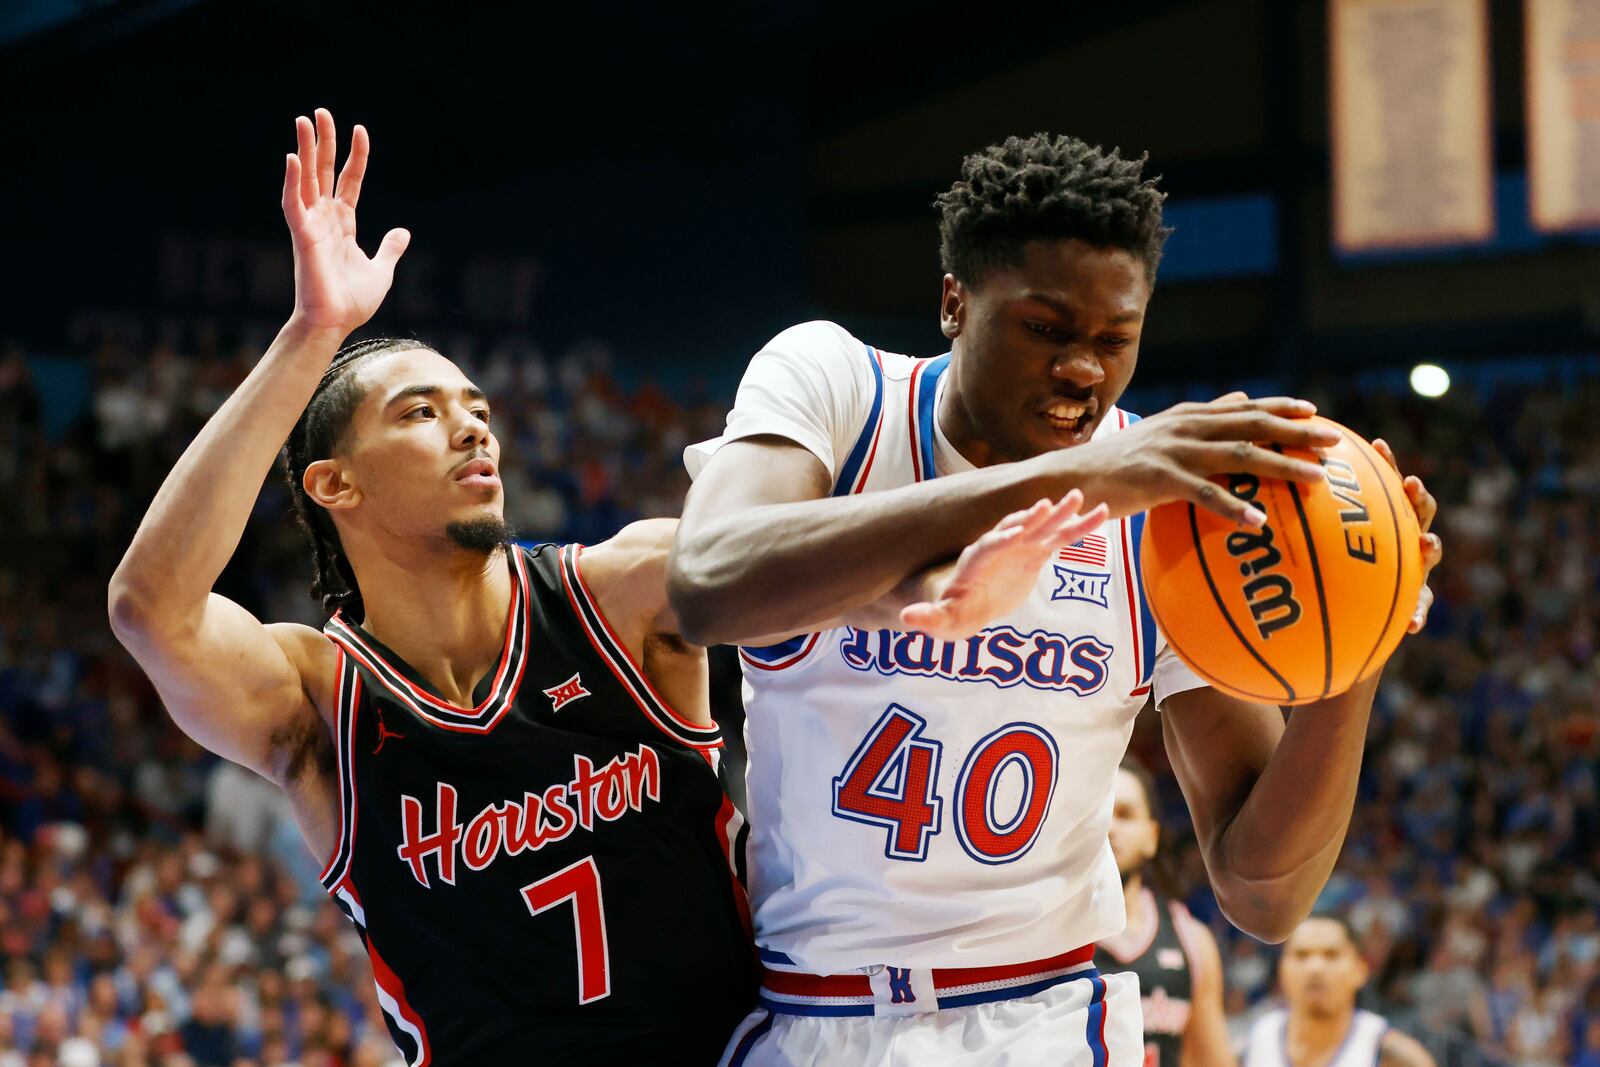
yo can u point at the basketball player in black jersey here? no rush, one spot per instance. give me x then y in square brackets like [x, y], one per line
[482, 741]
[1174, 955]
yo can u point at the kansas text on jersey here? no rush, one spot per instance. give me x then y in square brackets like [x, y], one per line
[922, 803]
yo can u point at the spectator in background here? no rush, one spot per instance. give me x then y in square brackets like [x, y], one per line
[1477, 820]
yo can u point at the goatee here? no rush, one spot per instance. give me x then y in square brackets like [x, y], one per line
[482, 536]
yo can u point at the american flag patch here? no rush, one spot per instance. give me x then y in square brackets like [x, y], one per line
[1090, 551]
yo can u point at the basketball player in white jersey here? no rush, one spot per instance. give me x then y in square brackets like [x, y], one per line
[1320, 973]
[929, 864]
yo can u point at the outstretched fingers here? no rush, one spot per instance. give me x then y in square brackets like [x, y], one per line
[355, 167]
[393, 247]
[327, 151]
[1075, 527]
[294, 212]
[306, 142]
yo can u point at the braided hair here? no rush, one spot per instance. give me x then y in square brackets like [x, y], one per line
[1053, 187]
[318, 435]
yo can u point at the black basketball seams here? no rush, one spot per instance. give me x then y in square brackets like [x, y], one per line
[1399, 569]
[1316, 576]
[1205, 569]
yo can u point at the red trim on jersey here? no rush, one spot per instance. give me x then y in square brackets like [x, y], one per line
[1125, 536]
[367, 660]
[916, 441]
[877, 432]
[358, 647]
[1105, 1010]
[339, 753]
[347, 770]
[390, 983]
[859, 985]
[576, 551]
[779, 665]
[726, 816]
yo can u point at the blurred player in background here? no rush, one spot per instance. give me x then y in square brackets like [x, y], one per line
[929, 798]
[1174, 956]
[1320, 973]
[506, 756]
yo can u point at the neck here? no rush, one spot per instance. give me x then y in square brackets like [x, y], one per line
[1133, 900]
[441, 608]
[956, 422]
[1312, 1039]
[1126, 944]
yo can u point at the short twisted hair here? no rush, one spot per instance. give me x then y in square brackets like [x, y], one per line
[319, 434]
[1052, 187]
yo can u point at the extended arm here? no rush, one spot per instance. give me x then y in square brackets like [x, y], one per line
[1271, 801]
[763, 549]
[231, 683]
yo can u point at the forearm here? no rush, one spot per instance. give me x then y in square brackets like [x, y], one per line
[793, 567]
[1272, 859]
[193, 525]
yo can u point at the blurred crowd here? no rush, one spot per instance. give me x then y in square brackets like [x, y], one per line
[157, 907]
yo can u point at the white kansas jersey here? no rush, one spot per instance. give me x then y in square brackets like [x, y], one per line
[928, 803]
[1268, 1045]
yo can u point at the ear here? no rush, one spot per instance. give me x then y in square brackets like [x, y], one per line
[327, 483]
[952, 307]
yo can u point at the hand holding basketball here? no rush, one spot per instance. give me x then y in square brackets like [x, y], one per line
[336, 285]
[1313, 601]
[1174, 455]
[1427, 508]
[995, 574]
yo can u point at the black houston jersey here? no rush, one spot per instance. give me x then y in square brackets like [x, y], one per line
[1163, 962]
[544, 878]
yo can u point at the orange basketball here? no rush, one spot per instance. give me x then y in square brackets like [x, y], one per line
[1304, 607]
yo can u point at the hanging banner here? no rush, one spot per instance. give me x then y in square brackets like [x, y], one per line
[1563, 39]
[1412, 136]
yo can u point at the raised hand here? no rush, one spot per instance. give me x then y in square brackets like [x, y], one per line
[995, 574]
[1174, 454]
[1427, 509]
[336, 285]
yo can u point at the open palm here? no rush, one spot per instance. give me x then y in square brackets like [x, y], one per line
[994, 575]
[336, 285]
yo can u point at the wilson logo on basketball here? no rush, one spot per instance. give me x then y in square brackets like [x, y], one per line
[1269, 594]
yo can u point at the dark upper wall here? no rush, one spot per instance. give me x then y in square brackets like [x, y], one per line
[685, 180]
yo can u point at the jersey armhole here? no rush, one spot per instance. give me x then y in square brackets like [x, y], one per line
[347, 701]
[1184, 925]
[621, 663]
[785, 654]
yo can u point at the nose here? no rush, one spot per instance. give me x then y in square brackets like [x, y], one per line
[1079, 366]
[472, 431]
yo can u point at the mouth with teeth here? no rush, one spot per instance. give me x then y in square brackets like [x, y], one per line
[1069, 421]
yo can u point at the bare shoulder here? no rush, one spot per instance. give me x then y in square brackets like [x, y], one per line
[647, 538]
[1402, 1050]
[627, 573]
[315, 658]
[631, 564]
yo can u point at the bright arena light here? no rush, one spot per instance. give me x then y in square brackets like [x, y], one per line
[1429, 379]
